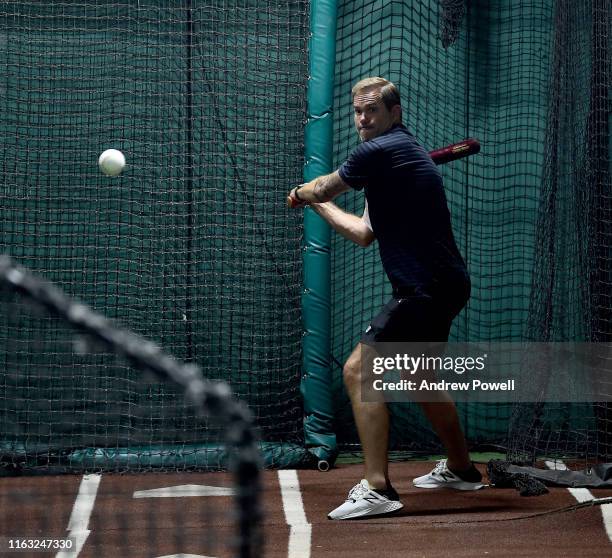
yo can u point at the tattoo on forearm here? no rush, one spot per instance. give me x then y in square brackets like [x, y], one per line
[318, 192]
[326, 188]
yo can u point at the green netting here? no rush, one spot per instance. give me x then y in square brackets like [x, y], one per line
[509, 76]
[572, 291]
[192, 245]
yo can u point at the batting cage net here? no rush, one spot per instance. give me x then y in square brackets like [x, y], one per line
[571, 296]
[73, 436]
[531, 213]
[193, 246]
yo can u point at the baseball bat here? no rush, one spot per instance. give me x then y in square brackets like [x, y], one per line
[464, 148]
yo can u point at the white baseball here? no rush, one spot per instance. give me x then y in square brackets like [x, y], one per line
[111, 162]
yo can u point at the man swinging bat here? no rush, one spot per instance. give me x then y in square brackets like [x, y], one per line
[407, 213]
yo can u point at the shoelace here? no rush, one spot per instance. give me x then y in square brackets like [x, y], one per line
[357, 492]
[440, 467]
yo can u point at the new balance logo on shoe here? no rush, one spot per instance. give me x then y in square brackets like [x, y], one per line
[442, 477]
[362, 501]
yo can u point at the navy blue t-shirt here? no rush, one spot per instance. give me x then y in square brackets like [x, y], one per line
[408, 212]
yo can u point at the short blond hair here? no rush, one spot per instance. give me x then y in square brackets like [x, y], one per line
[389, 93]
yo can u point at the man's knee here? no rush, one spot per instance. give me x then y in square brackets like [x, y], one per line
[351, 372]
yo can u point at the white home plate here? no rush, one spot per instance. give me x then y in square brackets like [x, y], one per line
[184, 491]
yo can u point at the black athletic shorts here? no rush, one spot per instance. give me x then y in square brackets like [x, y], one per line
[414, 315]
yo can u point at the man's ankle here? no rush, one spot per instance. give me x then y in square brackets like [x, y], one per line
[459, 466]
[378, 483]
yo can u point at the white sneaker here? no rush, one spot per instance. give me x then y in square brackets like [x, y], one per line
[441, 476]
[362, 501]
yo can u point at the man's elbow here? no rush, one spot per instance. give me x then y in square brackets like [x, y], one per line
[366, 238]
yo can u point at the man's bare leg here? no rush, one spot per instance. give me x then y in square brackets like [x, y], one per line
[372, 421]
[444, 419]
